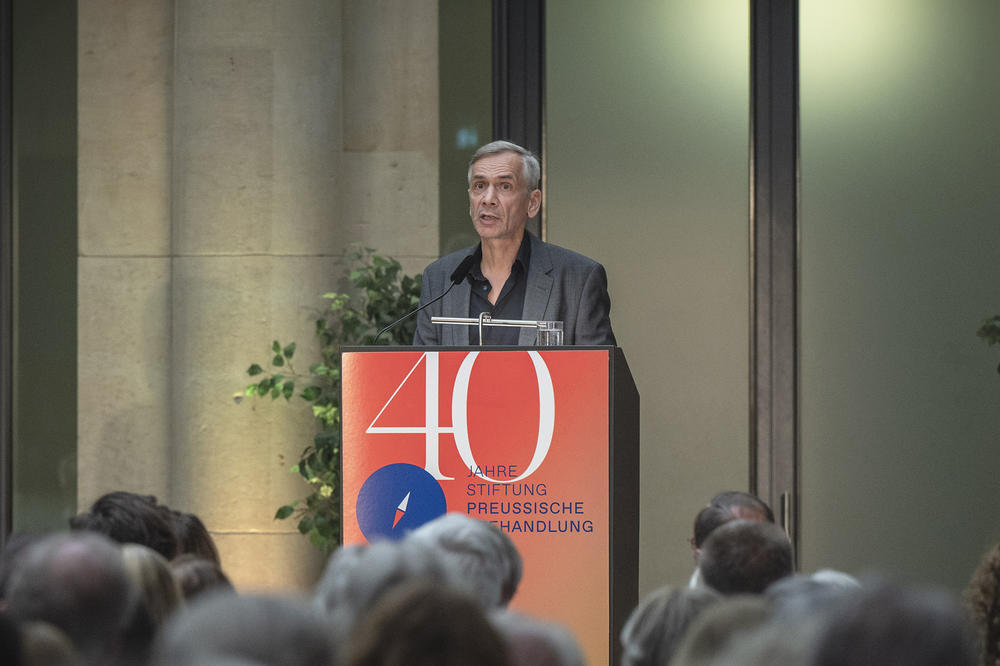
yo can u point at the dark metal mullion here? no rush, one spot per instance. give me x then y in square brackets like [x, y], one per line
[6, 271]
[518, 75]
[774, 160]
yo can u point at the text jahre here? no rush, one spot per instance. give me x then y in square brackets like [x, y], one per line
[493, 471]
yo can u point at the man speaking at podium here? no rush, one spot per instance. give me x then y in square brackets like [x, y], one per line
[511, 274]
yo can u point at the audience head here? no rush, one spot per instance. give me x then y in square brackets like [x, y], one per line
[261, 630]
[720, 628]
[17, 544]
[196, 576]
[159, 593]
[193, 537]
[982, 598]
[44, 645]
[803, 595]
[357, 576]
[725, 507]
[76, 582]
[130, 518]
[800, 606]
[893, 625]
[531, 642]
[10, 641]
[426, 625]
[745, 557]
[477, 554]
[657, 625]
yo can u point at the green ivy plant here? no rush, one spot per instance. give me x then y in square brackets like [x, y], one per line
[990, 332]
[380, 294]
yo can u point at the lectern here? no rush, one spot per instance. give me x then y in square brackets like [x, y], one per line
[541, 441]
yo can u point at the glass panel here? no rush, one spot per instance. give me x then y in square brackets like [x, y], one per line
[900, 211]
[646, 150]
[45, 265]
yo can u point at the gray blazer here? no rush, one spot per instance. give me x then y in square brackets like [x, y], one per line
[562, 286]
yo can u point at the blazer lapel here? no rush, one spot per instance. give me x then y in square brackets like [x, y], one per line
[456, 304]
[538, 289]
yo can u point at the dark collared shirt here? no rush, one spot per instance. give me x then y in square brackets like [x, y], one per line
[510, 302]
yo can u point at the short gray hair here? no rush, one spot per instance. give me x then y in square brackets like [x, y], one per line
[480, 556]
[532, 170]
[358, 575]
[246, 629]
[532, 641]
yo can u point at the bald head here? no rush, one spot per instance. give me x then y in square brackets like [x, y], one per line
[76, 582]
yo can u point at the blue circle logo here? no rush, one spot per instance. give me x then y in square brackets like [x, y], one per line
[397, 499]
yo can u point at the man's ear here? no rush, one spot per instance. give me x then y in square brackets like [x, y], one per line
[534, 202]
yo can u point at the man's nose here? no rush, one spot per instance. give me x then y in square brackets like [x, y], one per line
[490, 195]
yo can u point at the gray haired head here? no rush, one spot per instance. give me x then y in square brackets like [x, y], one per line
[480, 558]
[76, 582]
[888, 623]
[532, 170]
[531, 642]
[657, 625]
[224, 628]
[358, 576]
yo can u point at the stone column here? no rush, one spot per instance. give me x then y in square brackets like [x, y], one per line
[280, 132]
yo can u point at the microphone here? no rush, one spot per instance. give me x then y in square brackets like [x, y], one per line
[457, 276]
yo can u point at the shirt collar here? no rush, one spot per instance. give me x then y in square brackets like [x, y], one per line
[523, 257]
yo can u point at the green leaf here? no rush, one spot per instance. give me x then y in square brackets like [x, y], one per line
[276, 347]
[254, 370]
[289, 351]
[284, 512]
[288, 390]
[251, 390]
[310, 393]
[278, 360]
[306, 524]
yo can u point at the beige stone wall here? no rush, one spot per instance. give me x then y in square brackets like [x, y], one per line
[229, 152]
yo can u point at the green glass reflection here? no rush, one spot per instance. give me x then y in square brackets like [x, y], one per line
[900, 228]
[647, 108]
[45, 189]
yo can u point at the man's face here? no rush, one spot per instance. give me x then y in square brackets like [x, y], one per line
[499, 202]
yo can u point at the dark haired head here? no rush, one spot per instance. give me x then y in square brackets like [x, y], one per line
[745, 557]
[131, 518]
[193, 537]
[727, 506]
[197, 576]
[982, 597]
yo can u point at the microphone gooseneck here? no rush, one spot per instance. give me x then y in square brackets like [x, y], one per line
[456, 278]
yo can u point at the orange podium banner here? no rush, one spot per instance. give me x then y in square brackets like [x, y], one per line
[521, 438]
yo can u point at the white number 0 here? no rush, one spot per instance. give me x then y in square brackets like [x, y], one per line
[459, 415]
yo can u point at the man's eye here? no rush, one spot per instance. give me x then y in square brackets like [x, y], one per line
[477, 186]
[506, 186]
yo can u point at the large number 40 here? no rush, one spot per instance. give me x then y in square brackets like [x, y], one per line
[432, 430]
